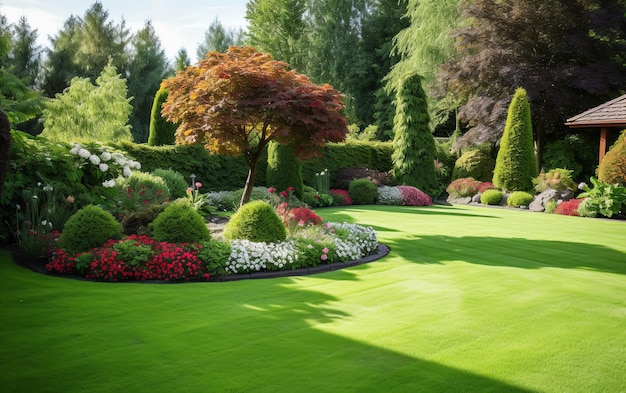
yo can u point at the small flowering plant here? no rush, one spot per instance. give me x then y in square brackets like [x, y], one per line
[465, 187]
[101, 164]
[341, 197]
[297, 217]
[199, 201]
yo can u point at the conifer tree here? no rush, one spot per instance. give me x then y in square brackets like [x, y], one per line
[162, 132]
[414, 146]
[283, 169]
[516, 164]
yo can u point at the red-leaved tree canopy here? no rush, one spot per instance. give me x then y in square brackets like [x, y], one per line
[236, 102]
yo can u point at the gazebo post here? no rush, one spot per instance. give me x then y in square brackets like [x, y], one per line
[604, 133]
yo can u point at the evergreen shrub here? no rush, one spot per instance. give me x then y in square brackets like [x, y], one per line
[89, 227]
[519, 198]
[283, 169]
[491, 197]
[141, 189]
[476, 164]
[180, 223]
[612, 169]
[175, 181]
[363, 192]
[556, 179]
[162, 131]
[256, 221]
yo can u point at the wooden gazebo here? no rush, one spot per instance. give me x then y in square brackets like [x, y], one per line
[609, 115]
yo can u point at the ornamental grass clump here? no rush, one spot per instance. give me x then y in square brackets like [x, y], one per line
[89, 227]
[256, 221]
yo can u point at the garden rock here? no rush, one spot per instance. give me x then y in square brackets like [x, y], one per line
[463, 201]
[539, 204]
[505, 196]
[476, 198]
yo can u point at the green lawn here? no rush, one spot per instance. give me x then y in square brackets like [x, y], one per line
[469, 300]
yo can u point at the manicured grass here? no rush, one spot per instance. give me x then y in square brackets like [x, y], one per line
[469, 300]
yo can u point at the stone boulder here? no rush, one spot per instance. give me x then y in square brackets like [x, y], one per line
[539, 204]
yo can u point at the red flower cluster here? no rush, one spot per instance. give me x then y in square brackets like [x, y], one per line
[297, 216]
[568, 208]
[464, 187]
[168, 262]
[342, 194]
[486, 185]
[412, 196]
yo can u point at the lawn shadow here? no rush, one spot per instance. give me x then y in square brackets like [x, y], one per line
[513, 252]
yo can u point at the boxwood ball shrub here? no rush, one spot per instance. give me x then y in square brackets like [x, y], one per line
[180, 223]
[363, 192]
[89, 227]
[256, 221]
[491, 197]
[519, 198]
[176, 182]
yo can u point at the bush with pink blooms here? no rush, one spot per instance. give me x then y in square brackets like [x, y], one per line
[341, 197]
[412, 196]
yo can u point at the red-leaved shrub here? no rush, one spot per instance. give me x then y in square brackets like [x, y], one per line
[412, 196]
[568, 208]
[486, 185]
[465, 187]
[341, 197]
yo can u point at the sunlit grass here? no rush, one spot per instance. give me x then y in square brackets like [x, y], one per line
[470, 299]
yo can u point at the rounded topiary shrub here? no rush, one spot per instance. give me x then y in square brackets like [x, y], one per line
[89, 227]
[491, 197]
[175, 181]
[612, 169]
[476, 164]
[256, 221]
[519, 198]
[180, 223]
[363, 192]
[141, 189]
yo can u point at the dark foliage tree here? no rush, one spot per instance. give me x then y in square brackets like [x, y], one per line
[414, 146]
[569, 55]
[25, 53]
[5, 146]
[515, 165]
[147, 68]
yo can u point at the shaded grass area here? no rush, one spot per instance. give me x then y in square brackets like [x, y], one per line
[470, 299]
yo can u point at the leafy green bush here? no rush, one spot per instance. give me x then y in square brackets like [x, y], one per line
[141, 189]
[89, 227]
[603, 199]
[180, 223]
[516, 163]
[363, 192]
[557, 179]
[476, 164]
[138, 222]
[133, 252]
[214, 255]
[491, 197]
[283, 169]
[612, 168]
[256, 221]
[175, 181]
[519, 198]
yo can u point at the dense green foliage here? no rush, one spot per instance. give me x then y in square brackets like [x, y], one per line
[363, 192]
[87, 112]
[556, 179]
[612, 168]
[491, 197]
[519, 198]
[218, 38]
[180, 223]
[175, 181]
[414, 147]
[283, 169]
[141, 189]
[89, 227]
[161, 131]
[474, 163]
[516, 163]
[256, 221]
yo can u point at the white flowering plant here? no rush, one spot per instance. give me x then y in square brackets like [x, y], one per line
[102, 165]
[389, 196]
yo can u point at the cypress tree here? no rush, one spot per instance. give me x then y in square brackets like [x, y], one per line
[284, 169]
[162, 132]
[516, 164]
[414, 146]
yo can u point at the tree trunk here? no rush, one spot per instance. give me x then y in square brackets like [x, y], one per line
[539, 144]
[247, 191]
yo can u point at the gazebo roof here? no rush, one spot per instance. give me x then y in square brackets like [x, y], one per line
[609, 114]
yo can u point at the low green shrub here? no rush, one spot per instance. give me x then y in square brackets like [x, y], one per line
[137, 222]
[256, 221]
[180, 223]
[519, 198]
[491, 197]
[175, 181]
[556, 179]
[214, 255]
[89, 227]
[141, 189]
[363, 192]
[601, 200]
[475, 164]
[612, 168]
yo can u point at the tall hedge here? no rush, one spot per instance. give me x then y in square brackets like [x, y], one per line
[162, 132]
[283, 169]
[612, 169]
[414, 146]
[516, 165]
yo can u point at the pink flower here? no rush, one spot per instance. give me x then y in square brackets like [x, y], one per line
[271, 190]
[198, 184]
[325, 250]
[189, 189]
[324, 257]
[284, 193]
[289, 188]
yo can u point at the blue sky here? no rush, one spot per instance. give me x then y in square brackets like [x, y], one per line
[178, 23]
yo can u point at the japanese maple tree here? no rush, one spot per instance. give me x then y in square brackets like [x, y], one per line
[238, 101]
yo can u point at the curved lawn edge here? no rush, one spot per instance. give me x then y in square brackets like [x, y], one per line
[381, 251]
